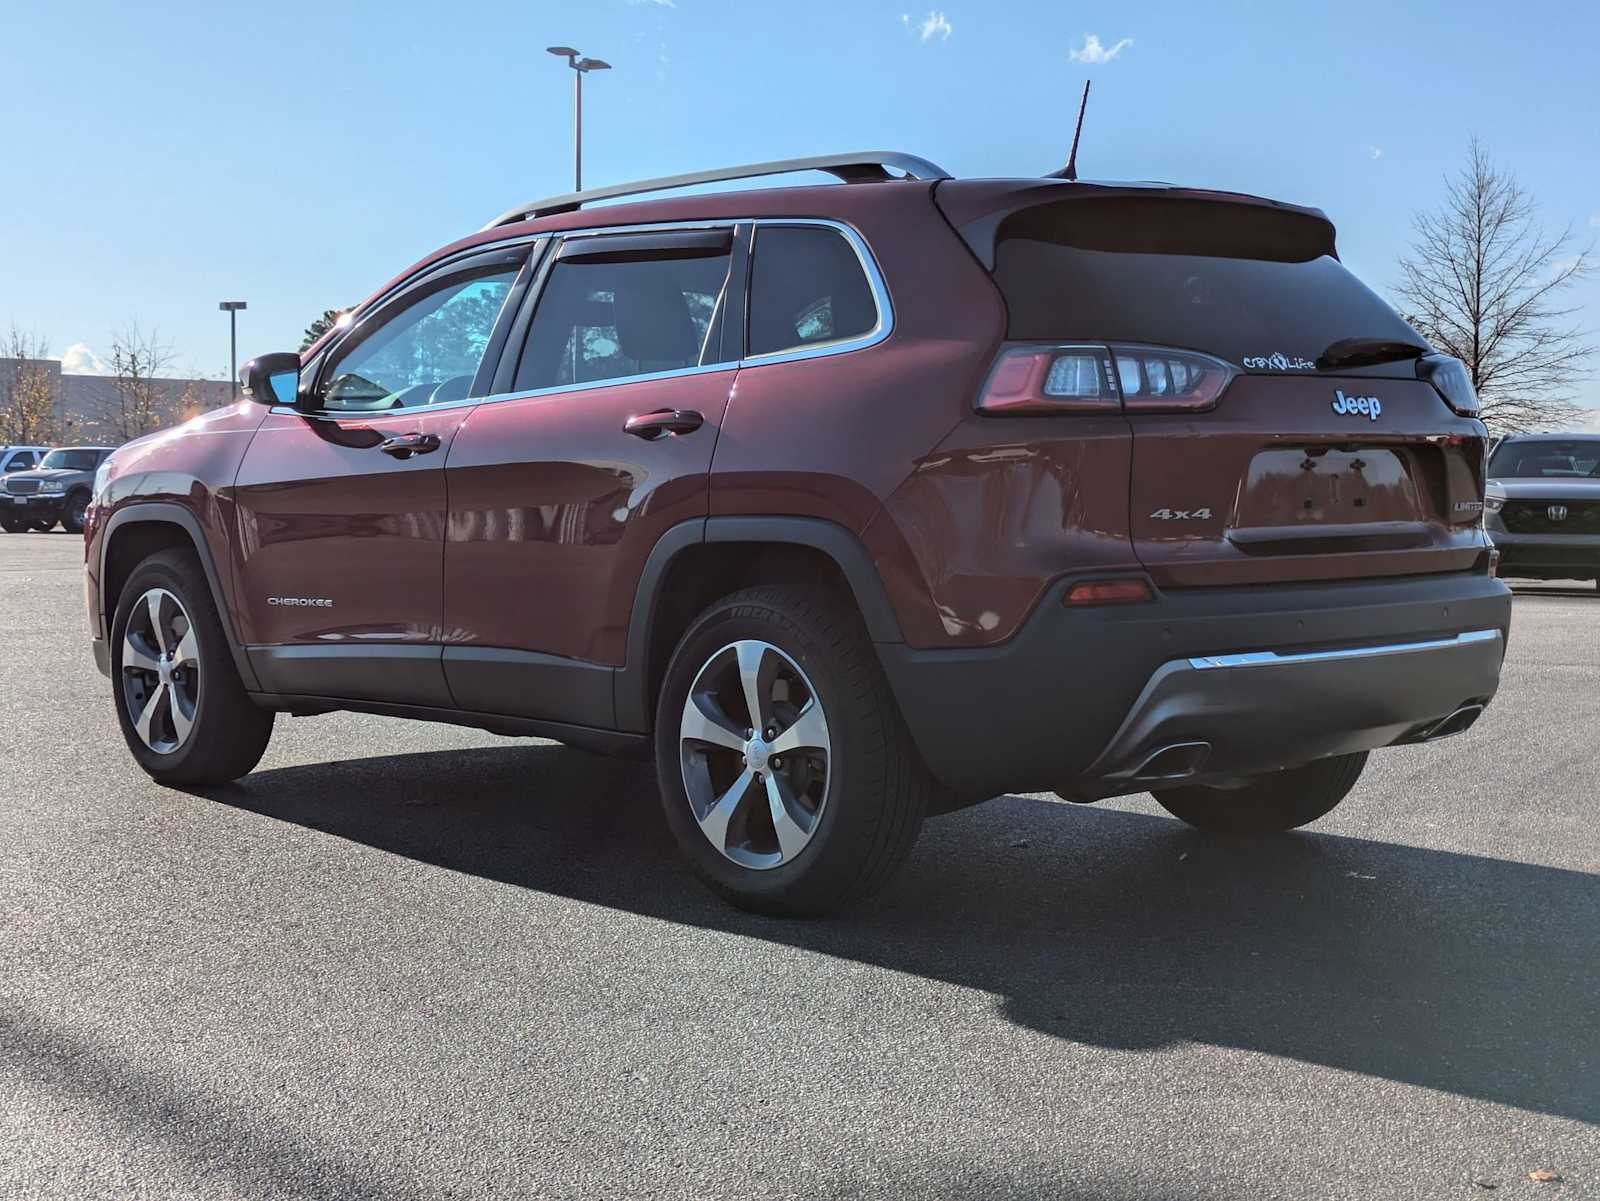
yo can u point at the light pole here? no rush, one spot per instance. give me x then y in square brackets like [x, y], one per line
[232, 307]
[580, 65]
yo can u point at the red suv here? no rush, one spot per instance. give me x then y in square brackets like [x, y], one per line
[849, 504]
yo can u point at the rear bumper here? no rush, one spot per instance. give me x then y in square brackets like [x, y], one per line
[1548, 556]
[1085, 701]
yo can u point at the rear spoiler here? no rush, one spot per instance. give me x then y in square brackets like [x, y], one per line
[1159, 217]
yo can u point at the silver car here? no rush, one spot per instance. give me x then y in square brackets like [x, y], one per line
[1542, 508]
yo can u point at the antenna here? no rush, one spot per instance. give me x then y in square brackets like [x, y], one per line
[1070, 171]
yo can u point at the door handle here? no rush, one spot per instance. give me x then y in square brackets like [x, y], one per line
[651, 426]
[403, 446]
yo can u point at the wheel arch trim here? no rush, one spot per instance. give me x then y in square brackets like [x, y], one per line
[166, 513]
[634, 705]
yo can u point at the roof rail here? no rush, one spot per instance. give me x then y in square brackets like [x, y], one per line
[862, 166]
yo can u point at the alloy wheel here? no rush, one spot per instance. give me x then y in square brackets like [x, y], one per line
[756, 754]
[160, 671]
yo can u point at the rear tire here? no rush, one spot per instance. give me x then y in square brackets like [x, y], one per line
[1283, 800]
[821, 805]
[44, 527]
[209, 731]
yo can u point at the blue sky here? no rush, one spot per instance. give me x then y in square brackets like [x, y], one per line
[159, 158]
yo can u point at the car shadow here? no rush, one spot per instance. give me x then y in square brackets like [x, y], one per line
[1466, 974]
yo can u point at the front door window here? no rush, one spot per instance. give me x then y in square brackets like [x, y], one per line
[427, 353]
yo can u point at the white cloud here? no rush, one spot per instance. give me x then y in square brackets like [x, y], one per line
[1094, 52]
[1591, 424]
[657, 3]
[80, 360]
[1594, 221]
[936, 25]
[1376, 152]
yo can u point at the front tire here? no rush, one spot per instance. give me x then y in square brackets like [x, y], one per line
[12, 525]
[1283, 800]
[74, 512]
[183, 710]
[813, 800]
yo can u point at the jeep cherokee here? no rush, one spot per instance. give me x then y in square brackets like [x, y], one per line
[849, 504]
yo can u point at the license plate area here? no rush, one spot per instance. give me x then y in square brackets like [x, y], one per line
[1320, 485]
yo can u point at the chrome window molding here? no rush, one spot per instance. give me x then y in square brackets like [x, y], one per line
[1278, 658]
[881, 329]
[875, 281]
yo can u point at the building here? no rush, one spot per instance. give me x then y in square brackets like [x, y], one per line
[93, 409]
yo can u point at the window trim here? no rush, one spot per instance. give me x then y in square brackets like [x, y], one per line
[880, 330]
[538, 267]
[395, 297]
[738, 277]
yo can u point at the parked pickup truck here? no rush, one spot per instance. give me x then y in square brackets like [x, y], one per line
[58, 489]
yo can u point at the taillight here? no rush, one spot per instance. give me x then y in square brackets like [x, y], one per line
[1051, 379]
[1033, 379]
[1157, 380]
[1451, 379]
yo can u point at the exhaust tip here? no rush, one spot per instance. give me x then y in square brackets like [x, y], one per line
[1457, 723]
[1173, 762]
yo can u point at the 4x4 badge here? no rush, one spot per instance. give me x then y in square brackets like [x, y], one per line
[1357, 406]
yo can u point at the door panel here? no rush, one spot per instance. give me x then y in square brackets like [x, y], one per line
[553, 511]
[339, 555]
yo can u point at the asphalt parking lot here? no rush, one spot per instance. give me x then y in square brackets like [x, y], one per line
[410, 961]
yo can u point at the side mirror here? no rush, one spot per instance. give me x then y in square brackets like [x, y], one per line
[271, 379]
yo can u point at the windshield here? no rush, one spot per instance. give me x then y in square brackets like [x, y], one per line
[1578, 458]
[70, 460]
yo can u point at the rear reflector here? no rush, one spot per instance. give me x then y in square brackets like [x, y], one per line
[1108, 592]
[1030, 379]
[1494, 560]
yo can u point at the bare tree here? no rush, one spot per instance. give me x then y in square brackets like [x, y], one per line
[1484, 281]
[136, 402]
[27, 392]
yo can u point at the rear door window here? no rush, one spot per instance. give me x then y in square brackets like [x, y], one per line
[634, 313]
[807, 288]
[1256, 287]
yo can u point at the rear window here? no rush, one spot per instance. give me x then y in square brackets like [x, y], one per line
[1234, 280]
[1577, 459]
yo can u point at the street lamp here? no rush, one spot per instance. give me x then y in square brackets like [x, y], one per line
[232, 307]
[580, 65]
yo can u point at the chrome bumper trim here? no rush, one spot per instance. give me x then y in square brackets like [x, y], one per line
[1278, 658]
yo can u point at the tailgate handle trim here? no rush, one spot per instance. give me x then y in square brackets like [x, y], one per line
[1392, 534]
